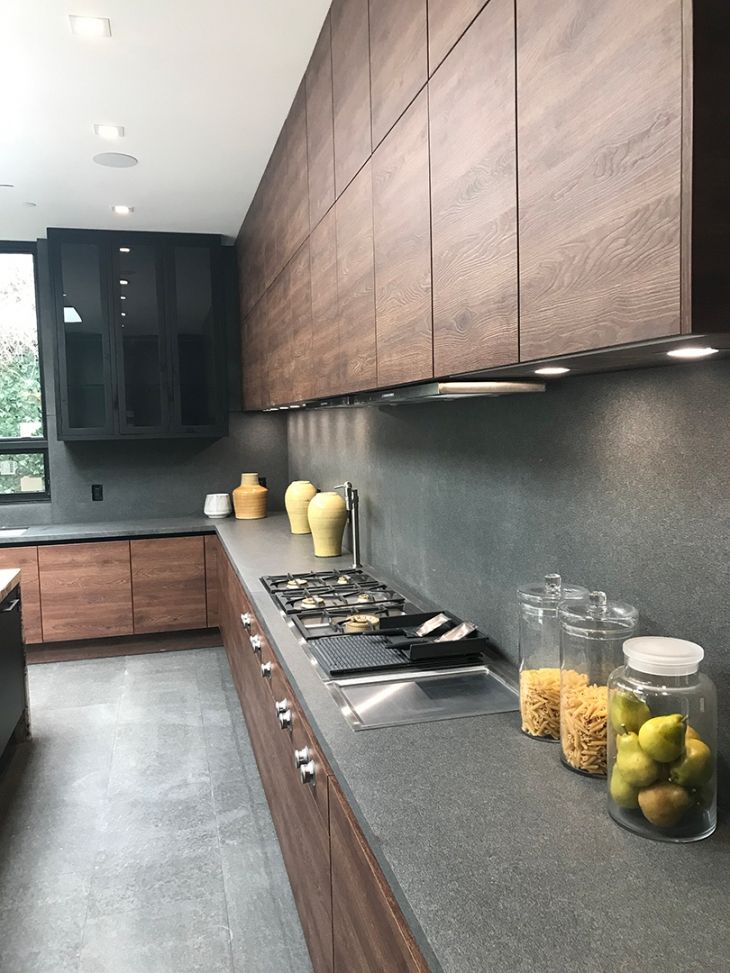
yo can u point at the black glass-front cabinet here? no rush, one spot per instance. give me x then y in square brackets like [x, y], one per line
[141, 334]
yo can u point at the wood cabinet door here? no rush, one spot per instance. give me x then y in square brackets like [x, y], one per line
[26, 558]
[320, 127]
[447, 21]
[293, 190]
[474, 198]
[212, 547]
[299, 314]
[402, 233]
[168, 579]
[351, 88]
[86, 590]
[326, 355]
[600, 144]
[278, 360]
[398, 60]
[356, 283]
[369, 930]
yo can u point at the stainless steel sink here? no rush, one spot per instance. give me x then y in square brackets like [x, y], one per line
[12, 532]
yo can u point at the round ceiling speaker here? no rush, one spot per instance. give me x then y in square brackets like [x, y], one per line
[116, 160]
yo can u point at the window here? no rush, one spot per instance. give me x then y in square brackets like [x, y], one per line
[23, 443]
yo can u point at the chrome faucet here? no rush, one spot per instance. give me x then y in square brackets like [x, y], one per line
[352, 501]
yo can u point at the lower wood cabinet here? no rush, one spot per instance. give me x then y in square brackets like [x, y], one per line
[212, 586]
[26, 558]
[168, 581]
[86, 590]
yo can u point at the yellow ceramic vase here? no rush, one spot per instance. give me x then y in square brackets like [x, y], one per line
[327, 514]
[296, 499]
[250, 498]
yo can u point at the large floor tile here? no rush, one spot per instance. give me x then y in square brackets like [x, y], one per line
[42, 941]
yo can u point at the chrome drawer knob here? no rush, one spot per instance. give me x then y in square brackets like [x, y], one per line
[306, 772]
[255, 641]
[246, 619]
[266, 670]
[285, 719]
[281, 706]
[302, 757]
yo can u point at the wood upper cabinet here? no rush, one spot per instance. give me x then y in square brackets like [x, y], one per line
[293, 190]
[369, 930]
[600, 157]
[320, 127]
[398, 59]
[355, 283]
[213, 557]
[86, 590]
[254, 364]
[447, 21]
[279, 362]
[325, 354]
[26, 558]
[168, 579]
[402, 234]
[474, 197]
[299, 314]
[351, 88]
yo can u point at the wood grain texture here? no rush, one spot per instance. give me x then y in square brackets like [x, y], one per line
[320, 127]
[168, 584]
[369, 930]
[402, 235]
[398, 60]
[350, 88]
[474, 197]
[356, 283]
[86, 590]
[299, 315]
[279, 362]
[447, 21]
[293, 191]
[213, 553]
[254, 351]
[326, 355]
[600, 98]
[26, 559]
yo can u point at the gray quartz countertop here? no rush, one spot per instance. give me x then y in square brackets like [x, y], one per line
[158, 527]
[500, 858]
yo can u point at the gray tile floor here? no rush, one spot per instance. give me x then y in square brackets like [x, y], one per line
[134, 833]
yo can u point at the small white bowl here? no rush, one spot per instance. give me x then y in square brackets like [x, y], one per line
[217, 506]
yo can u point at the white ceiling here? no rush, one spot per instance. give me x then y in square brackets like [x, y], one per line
[202, 88]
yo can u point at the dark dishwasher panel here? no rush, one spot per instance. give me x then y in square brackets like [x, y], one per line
[12, 667]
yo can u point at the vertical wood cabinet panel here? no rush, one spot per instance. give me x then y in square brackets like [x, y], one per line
[600, 143]
[474, 197]
[26, 558]
[369, 931]
[351, 88]
[402, 235]
[168, 584]
[86, 590]
[299, 304]
[279, 360]
[326, 355]
[447, 20]
[356, 284]
[294, 190]
[213, 556]
[320, 127]
[398, 59]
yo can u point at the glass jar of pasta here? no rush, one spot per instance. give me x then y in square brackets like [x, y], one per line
[662, 741]
[540, 654]
[592, 634]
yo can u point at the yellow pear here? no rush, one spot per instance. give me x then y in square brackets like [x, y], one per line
[621, 791]
[664, 804]
[627, 712]
[663, 738]
[694, 767]
[691, 734]
[636, 767]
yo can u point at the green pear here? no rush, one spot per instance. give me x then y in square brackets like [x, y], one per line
[664, 804]
[623, 793]
[663, 738]
[627, 712]
[636, 767]
[694, 767]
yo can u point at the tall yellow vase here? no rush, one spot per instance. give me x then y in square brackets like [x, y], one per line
[327, 514]
[250, 498]
[296, 499]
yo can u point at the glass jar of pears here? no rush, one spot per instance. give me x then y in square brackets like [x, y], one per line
[540, 654]
[662, 741]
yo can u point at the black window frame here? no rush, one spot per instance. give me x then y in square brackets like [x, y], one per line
[30, 444]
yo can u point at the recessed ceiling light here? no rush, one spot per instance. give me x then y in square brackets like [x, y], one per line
[122, 210]
[125, 250]
[124, 297]
[552, 370]
[124, 282]
[6, 185]
[109, 131]
[115, 160]
[90, 26]
[692, 351]
[124, 314]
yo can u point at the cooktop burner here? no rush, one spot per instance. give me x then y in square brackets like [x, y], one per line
[318, 623]
[311, 582]
[364, 596]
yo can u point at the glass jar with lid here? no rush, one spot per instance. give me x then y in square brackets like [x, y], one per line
[540, 654]
[662, 741]
[592, 634]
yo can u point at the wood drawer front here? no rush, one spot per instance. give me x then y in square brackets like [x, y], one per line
[26, 558]
[168, 579]
[212, 584]
[370, 932]
[86, 590]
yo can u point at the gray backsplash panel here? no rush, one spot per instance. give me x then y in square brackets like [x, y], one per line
[619, 482]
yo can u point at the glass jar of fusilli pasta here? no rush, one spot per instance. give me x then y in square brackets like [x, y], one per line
[592, 634]
[540, 654]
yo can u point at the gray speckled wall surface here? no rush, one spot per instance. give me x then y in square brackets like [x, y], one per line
[618, 481]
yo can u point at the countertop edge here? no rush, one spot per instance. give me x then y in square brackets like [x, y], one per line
[9, 579]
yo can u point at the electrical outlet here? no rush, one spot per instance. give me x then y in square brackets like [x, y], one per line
[97, 491]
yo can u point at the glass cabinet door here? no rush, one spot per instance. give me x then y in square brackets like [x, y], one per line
[138, 327]
[85, 359]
